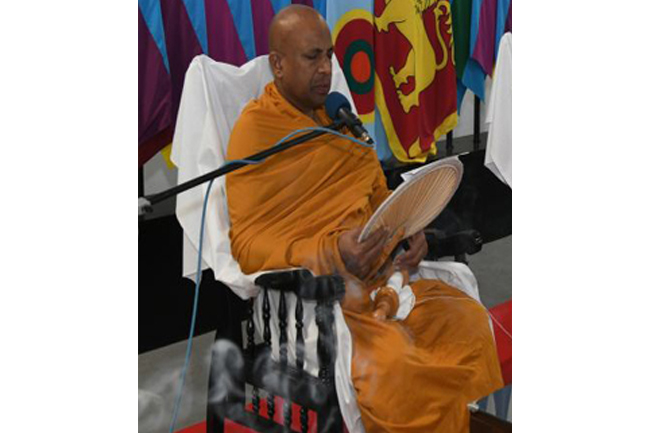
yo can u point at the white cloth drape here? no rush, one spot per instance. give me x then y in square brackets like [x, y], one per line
[498, 152]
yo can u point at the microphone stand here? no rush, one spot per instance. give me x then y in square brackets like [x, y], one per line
[145, 203]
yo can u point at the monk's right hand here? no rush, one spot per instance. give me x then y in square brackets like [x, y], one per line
[360, 256]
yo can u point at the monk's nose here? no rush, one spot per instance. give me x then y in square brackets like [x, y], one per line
[325, 66]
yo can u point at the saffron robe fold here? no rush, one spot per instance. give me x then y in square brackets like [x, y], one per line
[415, 375]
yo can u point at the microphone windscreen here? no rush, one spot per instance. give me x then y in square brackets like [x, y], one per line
[334, 102]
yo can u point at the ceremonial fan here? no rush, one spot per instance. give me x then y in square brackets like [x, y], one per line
[417, 201]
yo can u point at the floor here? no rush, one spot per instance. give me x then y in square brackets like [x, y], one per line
[159, 370]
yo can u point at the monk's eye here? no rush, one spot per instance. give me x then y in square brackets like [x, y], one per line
[311, 56]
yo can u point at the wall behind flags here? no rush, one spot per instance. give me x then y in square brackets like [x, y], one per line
[172, 32]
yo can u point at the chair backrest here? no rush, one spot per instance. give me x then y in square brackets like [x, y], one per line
[214, 94]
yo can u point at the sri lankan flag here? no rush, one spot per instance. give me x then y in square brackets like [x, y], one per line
[399, 64]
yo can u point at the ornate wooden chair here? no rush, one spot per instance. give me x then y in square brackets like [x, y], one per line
[262, 379]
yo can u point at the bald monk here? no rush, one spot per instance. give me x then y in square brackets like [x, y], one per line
[305, 207]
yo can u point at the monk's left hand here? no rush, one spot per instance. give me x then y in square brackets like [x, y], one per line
[418, 249]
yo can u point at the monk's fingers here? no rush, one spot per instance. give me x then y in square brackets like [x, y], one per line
[405, 256]
[411, 258]
[406, 259]
[371, 255]
[418, 240]
[360, 256]
[360, 271]
[418, 246]
[358, 264]
[406, 266]
[422, 251]
[378, 237]
[419, 251]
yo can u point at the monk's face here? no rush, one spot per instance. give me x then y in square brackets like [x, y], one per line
[304, 69]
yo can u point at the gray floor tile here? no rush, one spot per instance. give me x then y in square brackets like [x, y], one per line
[158, 380]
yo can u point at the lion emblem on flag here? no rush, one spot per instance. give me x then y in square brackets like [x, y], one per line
[398, 60]
[407, 17]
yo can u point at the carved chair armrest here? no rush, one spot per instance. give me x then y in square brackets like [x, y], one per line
[448, 244]
[324, 288]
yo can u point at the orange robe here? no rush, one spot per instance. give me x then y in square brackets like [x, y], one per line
[415, 375]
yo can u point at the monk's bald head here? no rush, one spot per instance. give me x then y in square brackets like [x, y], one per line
[290, 23]
[300, 55]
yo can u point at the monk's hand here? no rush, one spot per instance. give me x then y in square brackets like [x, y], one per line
[418, 249]
[360, 256]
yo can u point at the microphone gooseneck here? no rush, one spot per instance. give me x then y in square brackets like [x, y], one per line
[338, 108]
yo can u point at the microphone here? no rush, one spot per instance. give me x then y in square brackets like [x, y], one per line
[338, 107]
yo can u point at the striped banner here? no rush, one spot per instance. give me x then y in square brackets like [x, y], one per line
[172, 32]
[479, 25]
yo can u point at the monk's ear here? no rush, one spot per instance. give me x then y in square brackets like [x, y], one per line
[275, 60]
